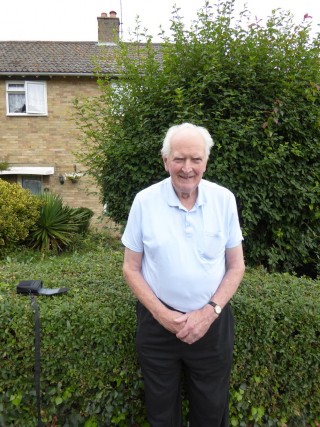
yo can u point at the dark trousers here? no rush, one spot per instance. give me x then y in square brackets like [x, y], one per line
[206, 365]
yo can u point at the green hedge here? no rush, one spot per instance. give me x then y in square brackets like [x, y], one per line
[275, 378]
[89, 372]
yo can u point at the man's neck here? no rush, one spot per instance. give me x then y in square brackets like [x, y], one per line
[188, 199]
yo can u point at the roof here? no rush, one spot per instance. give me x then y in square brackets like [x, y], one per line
[46, 57]
[56, 58]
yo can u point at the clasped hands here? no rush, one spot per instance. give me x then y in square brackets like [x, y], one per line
[191, 326]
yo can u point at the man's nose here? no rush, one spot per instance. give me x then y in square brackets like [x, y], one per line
[187, 167]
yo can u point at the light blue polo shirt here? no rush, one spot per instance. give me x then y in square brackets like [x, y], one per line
[183, 251]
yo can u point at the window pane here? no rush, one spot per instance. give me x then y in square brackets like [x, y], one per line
[32, 183]
[17, 103]
[16, 86]
[36, 98]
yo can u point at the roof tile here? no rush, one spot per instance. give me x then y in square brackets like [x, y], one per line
[54, 57]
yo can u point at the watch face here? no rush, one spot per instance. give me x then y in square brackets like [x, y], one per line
[217, 309]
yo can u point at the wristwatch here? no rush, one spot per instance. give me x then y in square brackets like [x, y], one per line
[216, 307]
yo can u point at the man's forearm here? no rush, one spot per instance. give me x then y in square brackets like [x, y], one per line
[142, 291]
[228, 286]
[234, 273]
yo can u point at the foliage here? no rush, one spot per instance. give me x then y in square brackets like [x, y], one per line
[257, 90]
[58, 224]
[89, 372]
[4, 165]
[84, 216]
[73, 176]
[276, 351]
[19, 210]
[88, 366]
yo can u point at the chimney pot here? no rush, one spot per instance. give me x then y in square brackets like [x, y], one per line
[108, 27]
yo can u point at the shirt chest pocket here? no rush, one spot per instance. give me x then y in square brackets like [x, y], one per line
[212, 245]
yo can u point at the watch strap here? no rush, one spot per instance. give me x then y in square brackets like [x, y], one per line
[215, 306]
[212, 303]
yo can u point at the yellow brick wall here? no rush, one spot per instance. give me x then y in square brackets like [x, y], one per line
[51, 140]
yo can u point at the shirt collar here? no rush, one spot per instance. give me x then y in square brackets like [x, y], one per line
[173, 199]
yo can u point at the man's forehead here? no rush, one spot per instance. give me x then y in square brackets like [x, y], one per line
[188, 140]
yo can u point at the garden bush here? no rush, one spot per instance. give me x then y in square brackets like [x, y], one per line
[19, 210]
[89, 371]
[256, 88]
[275, 379]
[84, 215]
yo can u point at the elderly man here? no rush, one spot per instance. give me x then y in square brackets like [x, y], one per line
[184, 261]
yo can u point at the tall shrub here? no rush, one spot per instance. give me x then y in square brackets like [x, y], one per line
[19, 210]
[256, 88]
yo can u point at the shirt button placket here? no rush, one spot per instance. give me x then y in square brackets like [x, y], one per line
[188, 227]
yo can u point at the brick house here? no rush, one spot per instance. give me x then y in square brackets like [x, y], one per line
[38, 137]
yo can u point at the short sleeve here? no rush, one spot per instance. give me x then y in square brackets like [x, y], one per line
[235, 234]
[132, 236]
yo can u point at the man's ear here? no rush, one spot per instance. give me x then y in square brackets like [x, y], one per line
[165, 162]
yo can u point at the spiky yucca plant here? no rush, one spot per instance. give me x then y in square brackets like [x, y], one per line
[58, 224]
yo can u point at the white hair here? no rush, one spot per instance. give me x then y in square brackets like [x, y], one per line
[207, 139]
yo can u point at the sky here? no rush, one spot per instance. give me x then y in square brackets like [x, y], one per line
[76, 20]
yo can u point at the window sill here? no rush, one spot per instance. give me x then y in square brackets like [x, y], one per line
[27, 115]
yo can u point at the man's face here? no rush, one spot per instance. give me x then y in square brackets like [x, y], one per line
[187, 161]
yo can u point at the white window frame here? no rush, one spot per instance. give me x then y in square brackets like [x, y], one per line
[42, 109]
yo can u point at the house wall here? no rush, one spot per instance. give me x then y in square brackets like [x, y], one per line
[51, 140]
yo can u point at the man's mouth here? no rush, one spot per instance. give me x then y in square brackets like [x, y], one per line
[185, 177]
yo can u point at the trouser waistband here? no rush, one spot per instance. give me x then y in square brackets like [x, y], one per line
[171, 308]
